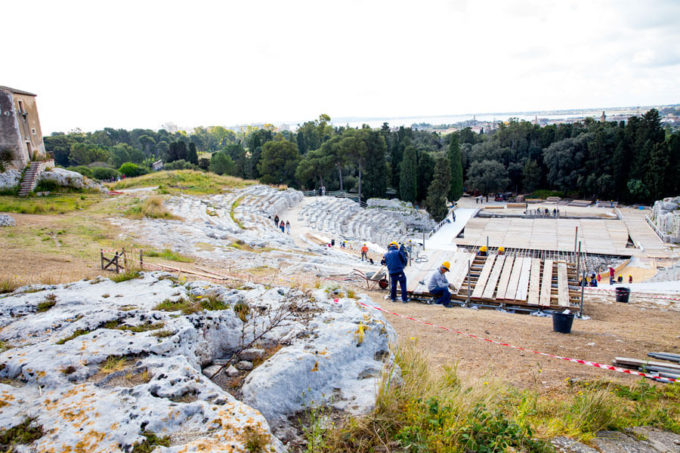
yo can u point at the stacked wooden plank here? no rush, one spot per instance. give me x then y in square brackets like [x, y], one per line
[505, 277]
[493, 278]
[546, 283]
[534, 282]
[483, 277]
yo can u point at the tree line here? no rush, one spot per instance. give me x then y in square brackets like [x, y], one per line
[632, 161]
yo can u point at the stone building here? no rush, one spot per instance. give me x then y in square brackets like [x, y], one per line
[20, 132]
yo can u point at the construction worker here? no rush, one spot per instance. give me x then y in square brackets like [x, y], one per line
[482, 250]
[501, 250]
[439, 285]
[364, 252]
[395, 261]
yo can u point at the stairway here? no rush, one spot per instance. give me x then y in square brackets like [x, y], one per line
[29, 181]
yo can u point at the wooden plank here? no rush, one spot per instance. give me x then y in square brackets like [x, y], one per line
[514, 278]
[523, 285]
[534, 282]
[505, 277]
[546, 286]
[562, 285]
[490, 287]
[459, 269]
[639, 363]
[483, 276]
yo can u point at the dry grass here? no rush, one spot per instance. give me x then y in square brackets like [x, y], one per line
[151, 208]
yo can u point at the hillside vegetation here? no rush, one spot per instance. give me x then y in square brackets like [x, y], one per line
[187, 181]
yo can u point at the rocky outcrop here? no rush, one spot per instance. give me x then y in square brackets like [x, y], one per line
[7, 221]
[666, 218]
[67, 178]
[100, 364]
[9, 180]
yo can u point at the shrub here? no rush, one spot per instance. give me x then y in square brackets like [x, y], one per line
[103, 173]
[131, 170]
[24, 433]
[180, 165]
[83, 170]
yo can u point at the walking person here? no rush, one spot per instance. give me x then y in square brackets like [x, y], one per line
[395, 261]
[276, 220]
[364, 253]
[288, 226]
[282, 225]
[439, 286]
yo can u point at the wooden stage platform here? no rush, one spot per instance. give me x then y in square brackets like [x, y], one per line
[519, 278]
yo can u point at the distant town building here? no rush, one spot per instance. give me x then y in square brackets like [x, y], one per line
[20, 132]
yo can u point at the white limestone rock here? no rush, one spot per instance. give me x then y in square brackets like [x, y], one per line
[7, 220]
[10, 179]
[68, 178]
[330, 361]
[56, 360]
[666, 217]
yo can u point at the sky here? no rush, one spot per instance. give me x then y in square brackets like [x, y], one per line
[144, 63]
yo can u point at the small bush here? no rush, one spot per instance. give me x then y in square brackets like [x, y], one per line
[131, 170]
[150, 443]
[129, 274]
[187, 307]
[180, 165]
[49, 302]
[542, 193]
[242, 310]
[103, 173]
[23, 434]
[168, 255]
[83, 170]
[75, 334]
[7, 285]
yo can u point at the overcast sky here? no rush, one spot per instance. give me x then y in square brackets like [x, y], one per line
[141, 63]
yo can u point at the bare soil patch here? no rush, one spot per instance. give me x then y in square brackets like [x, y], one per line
[615, 329]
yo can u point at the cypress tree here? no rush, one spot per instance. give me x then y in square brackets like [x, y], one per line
[408, 182]
[439, 188]
[456, 163]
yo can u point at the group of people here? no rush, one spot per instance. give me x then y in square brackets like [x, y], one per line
[594, 279]
[396, 260]
[283, 226]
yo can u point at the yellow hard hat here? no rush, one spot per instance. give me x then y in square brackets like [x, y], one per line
[394, 243]
[482, 248]
[446, 265]
[501, 249]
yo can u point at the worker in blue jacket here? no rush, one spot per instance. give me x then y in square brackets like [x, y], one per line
[395, 261]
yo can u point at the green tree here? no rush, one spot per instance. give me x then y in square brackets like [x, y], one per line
[192, 155]
[83, 154]
[439, 189]
[375, 182]
[488, 176]
[408, 181]
[426, 165]
[279, 160]
[456, 162]
[532, 176]
[221, 164]
[313, 168]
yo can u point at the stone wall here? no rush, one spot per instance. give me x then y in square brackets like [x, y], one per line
[665, 219]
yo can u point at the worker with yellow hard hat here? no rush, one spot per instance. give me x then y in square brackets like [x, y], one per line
[395, 260]
[501, 250]
[482, 250]
[439, 286]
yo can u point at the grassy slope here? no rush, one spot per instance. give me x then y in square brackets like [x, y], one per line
[187, 181]
[441, 413]
[62, 242]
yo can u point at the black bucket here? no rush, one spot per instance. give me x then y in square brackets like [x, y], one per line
[622, 294]
[562, 322]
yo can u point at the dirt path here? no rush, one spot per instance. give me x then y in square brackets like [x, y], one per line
[628, 330]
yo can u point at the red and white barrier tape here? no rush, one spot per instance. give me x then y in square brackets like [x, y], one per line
[519, 348]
